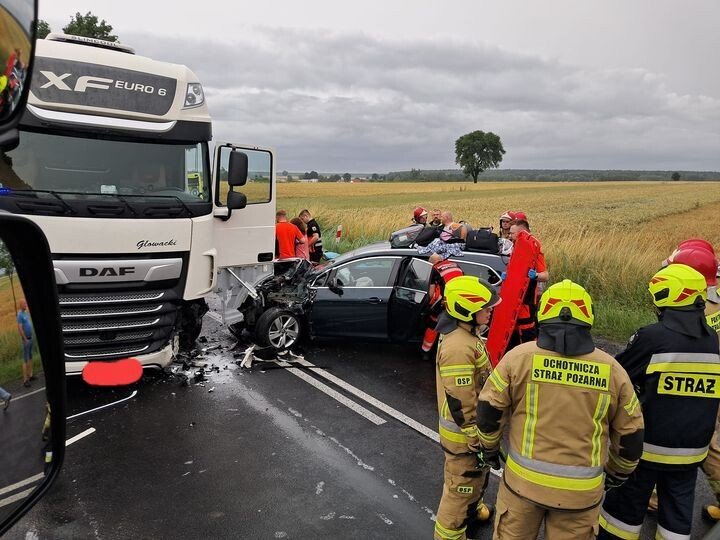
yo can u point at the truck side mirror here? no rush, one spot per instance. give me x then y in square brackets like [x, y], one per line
[236, 200]
[17, 47]
[32, 411]
[238, 168]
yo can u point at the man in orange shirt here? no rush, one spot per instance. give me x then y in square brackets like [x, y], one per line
[526, 328]
[286, 236]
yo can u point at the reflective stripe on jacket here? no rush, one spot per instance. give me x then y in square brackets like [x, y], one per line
[462, 367]
[570, 419]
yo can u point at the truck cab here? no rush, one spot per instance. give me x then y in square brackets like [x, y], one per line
[113, 163]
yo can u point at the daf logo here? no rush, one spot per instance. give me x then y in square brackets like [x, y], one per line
[101, 83]
[92, 272]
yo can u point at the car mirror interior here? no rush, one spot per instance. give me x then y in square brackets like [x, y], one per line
[32, 370]
[16, 48]
[335, 286]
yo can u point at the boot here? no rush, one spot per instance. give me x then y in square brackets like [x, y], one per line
[484, 517]
[711, 512]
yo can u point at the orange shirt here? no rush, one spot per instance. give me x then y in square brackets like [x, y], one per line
[286, 234]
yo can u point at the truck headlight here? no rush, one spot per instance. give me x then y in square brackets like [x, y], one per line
[194, 95]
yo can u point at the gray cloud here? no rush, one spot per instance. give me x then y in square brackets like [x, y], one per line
[336, 102]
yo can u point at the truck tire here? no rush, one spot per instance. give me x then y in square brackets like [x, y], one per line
[191, 315]
[277, 328]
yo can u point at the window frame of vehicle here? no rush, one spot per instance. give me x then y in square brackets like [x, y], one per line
[353, 313]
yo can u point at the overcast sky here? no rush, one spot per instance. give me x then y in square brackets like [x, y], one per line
[383, 85]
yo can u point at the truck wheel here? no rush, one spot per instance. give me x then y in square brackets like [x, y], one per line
[277, 328]
[191, 315]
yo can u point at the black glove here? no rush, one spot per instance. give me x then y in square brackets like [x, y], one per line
[488, 458]
[612, 481]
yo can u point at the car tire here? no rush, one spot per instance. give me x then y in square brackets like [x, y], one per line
[278, 328]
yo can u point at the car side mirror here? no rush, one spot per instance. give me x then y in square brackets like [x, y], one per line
[32, 385]
[335, 286]
[238, 168]
[17, 47]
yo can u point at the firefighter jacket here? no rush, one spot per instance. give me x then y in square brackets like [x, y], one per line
[712, 316]
[570, 417]
[462, 367]
[675, 366]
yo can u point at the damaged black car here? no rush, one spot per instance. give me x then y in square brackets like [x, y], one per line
[372, 293]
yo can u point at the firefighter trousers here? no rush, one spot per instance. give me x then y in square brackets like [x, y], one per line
[711, 466]
[462, 496]
[517, 518]
[624, 508]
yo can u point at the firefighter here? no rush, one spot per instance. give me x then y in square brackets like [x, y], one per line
[702, 259]
[420, 216]
[675, 364]
[575, 424]
[462, 368]
[506, 218]
[442, 271]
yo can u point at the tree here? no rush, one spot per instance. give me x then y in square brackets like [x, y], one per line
[335, 177]
[284, 173]
[43, 29]
[7, 264]
[347, 176]
[477, 151]
[675, 176]
[87, 25]
[375, 176]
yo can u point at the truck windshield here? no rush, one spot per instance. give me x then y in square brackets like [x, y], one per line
[75, 165]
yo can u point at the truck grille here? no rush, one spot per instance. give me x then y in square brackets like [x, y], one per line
[109, 325]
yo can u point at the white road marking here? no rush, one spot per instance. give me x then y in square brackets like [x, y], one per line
[15, 399]
[350, 404]
[103, 406]
[401, 417]
[17, 497]
[21, 483]
[79, 436]
[417, 426]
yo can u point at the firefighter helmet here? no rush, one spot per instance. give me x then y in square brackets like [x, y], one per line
[701, 260]
[507, 215]
[566, 302]
[419, 212]
[466, 295]
[677, 285]
[696, 243]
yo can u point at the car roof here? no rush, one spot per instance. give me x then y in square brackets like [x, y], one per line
[384, 249]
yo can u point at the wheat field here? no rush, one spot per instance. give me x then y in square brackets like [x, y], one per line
[608, 236]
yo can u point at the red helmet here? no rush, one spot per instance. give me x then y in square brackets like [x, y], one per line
[520, 215]
[696, 243]
[418, 212]
[508, 215]
[701, 260]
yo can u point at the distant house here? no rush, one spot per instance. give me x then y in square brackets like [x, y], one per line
[309, 180]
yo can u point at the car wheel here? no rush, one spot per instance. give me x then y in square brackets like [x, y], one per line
[277, 328]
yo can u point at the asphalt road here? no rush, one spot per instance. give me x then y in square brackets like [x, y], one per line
[268, 452]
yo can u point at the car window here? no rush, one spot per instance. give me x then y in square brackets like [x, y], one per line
[479, 270]
[417, 275]
[368, 272]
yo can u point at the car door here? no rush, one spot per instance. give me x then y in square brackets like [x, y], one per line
[409, 300]
[358, 306]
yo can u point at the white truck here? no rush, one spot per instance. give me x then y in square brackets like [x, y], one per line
[113, 163]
